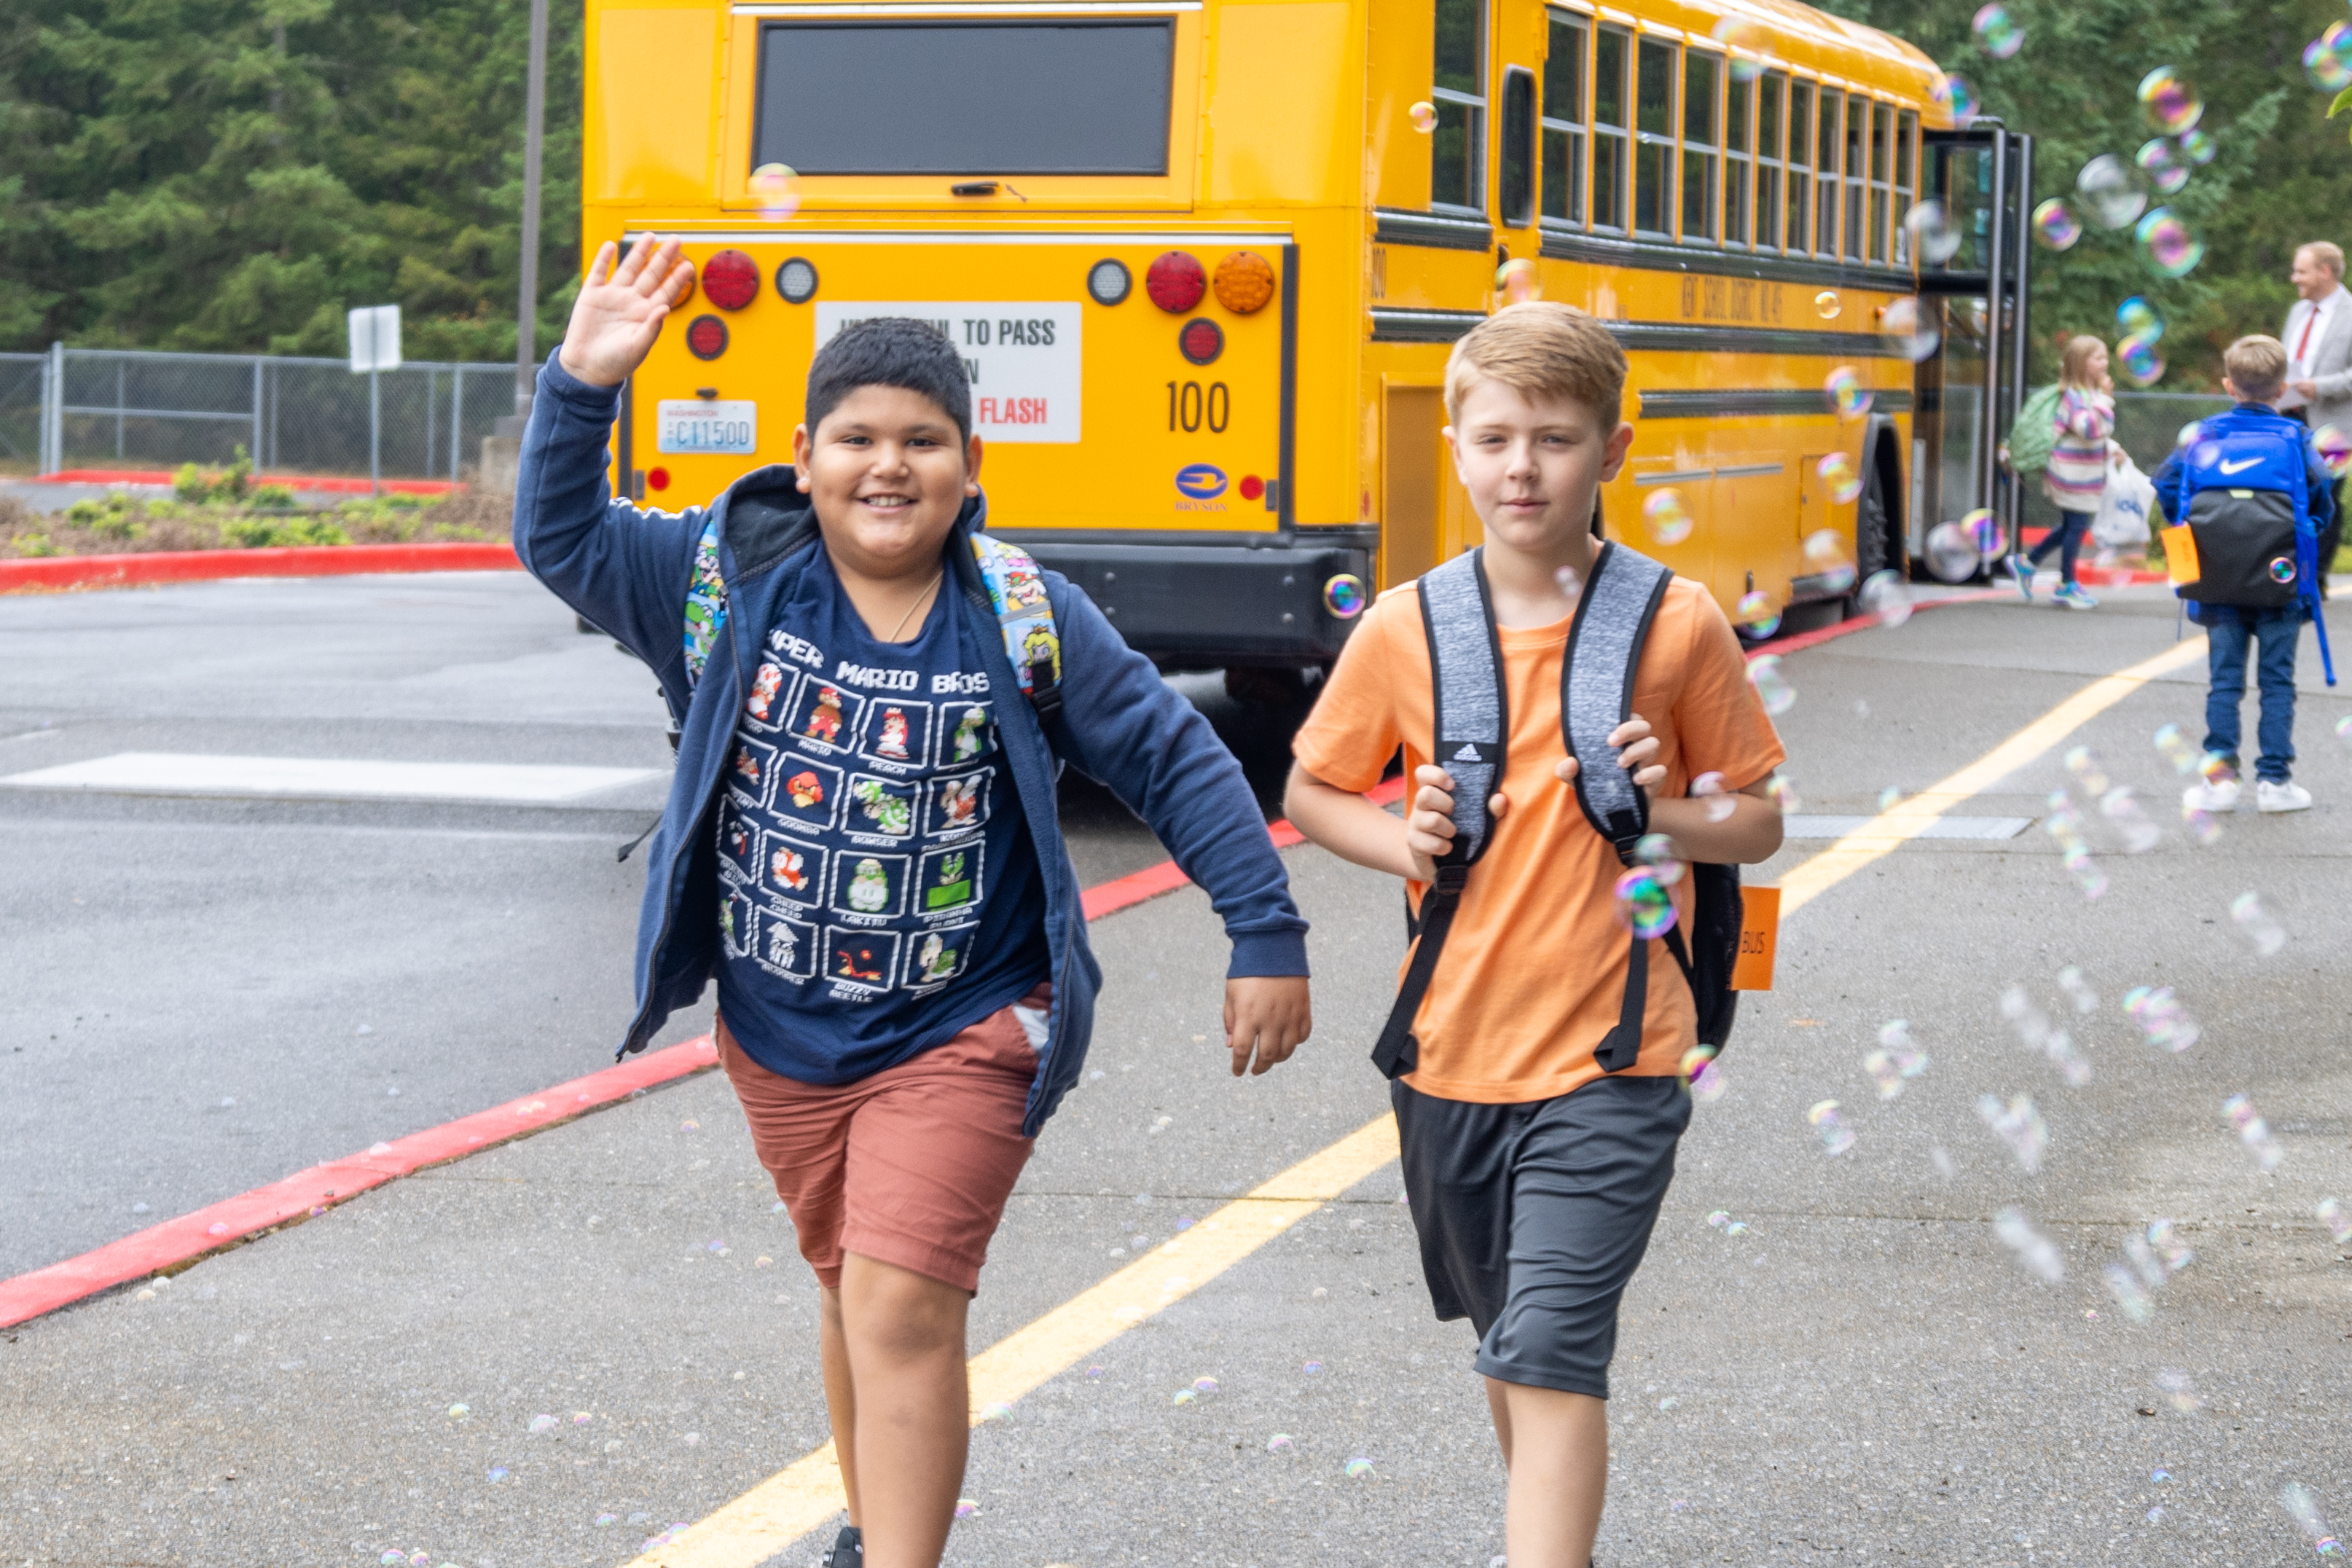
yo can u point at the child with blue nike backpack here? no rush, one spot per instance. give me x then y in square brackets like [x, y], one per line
[2246, 499]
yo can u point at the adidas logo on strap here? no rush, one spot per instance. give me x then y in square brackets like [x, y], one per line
[1469, 753]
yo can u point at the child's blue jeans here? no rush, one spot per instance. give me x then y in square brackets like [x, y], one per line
[2067, 540]
[2227, 633]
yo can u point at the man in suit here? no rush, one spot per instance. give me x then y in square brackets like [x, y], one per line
[2319, 339]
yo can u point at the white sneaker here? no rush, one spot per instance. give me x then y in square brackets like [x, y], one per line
[2288, 797]
[2214, 794]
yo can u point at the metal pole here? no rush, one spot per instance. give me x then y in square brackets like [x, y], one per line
[432, 389]
[527, 291]
[118, 411]
[457, 417]
[257, 454]
[376, 437]
[56, 430]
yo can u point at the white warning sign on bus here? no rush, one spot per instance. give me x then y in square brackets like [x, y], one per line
[1022, 355]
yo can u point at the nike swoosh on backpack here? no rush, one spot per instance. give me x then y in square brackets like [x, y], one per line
[2230, 468]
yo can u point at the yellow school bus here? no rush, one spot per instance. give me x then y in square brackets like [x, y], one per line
[1204, 258]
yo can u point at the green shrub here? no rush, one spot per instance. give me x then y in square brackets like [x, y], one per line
[85, 513]
[192, 485]
[403, 502]
[253, 533]
[268, 496]
[35, 544]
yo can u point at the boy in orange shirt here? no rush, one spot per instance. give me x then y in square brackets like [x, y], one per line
[1533, 1175]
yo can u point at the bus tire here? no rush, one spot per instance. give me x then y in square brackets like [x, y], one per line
[1874, 530]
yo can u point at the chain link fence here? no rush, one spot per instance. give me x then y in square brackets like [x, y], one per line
[2148, 426]
[134, 409]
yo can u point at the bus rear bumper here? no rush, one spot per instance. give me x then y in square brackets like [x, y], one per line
[1215, 606]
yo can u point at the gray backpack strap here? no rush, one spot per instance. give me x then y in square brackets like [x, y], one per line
[1470, 727]
[1596, 695]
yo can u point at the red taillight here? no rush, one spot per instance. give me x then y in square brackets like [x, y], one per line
[1200, 340]
[1175, 282]
[1252, 487]
[657, 478]
[730, 279]
[706, 337]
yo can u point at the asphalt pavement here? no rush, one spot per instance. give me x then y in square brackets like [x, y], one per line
[1866, 1371]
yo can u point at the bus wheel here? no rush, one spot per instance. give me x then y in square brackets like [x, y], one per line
[1871, 548]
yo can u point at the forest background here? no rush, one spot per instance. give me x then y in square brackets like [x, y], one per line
[232, 174]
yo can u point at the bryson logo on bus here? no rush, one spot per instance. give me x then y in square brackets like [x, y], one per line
[1201, 481]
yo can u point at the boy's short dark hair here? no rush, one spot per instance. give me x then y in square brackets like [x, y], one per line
[890, 350]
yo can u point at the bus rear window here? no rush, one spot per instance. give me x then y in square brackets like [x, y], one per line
[965, 98]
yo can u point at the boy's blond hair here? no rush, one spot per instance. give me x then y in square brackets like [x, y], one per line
[1541, 350]
[2256, 366]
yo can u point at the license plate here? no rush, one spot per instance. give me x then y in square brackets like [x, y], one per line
[686, 425]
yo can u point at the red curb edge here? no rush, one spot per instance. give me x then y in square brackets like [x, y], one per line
[64, 573]
[175, 1243]
[340, 484]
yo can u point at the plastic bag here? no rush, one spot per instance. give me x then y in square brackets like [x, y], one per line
[2127, 508]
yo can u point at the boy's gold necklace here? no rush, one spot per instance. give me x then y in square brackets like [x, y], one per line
[920, 599]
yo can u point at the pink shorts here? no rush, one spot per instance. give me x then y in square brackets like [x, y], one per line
[910, 1166]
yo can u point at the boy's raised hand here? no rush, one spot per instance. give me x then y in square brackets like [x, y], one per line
[620, 310]
[1267, 1014]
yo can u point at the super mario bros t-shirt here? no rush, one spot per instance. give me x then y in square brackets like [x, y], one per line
[878, 888]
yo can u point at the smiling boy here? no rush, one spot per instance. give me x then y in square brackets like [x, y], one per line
[1534, 1174]
[905, 990]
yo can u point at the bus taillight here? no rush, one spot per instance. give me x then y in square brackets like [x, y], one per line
[706, 337]
[1200, 340]
[1175, 282]
[730, 279]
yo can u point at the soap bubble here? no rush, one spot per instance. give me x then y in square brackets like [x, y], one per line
[2180, 1390]
[2339, 1224]
[1204, 1385]
[1737, 33]
[2255, 923]
[2170, 103]
[2138, 318]
[1951, 554]
[1358, 1468]
[2055, 226]
[2197, 146]
[540, 1424]
[2129, 1293]
[1772, 686]
[1826, 304]
[1643, 904]
[2253, 1132]
[2164, 1240]
[2138, 359]
[1709, 787]
[1896, 1061]
[2303, 1505]
[1659, 852]
[966, 1508]
[996, 1413]
[2033, 1249]
[1998, 31]
[2109, 192]
[2167, 244]
[2344, 729]
[777, 188]
[461, 1412]
[393, 1559]
[2334, 449]
[2188, 433]
[1889, 798]
[1908, 326]
[2163, 166]
[1782, 793]
[2019, 1125]
[1758, 612]
[2161, 1018]
[2327, 58]
[1849, 399]
[1312, 1367]
[1663, 515]
[1701, 1075]
[498, 1473]
[1516, 281]
[2140, 834]
[1953, 95]
[1934, 238]
[1824, 551]
[2204, 826]
[1570, 584]
[2177, 748]
[2078, 989]
[1424, 116]
[1278, 1443]
[1984, 529]
[1887, 596]
[1837, 472]
[1829, 1126]
[2088, 771]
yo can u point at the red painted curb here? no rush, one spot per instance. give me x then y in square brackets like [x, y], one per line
[219, 1226]
[66, 573]
[1792, 643]
[340, 484]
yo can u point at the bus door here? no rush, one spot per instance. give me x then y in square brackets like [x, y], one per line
[1968, 390]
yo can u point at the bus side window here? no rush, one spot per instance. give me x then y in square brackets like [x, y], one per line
[1611, 130]
[1516, 197]
[1857, 143]
[1654, 145]
[1906, 147]
[1800, 162]
[1700, 73]
[1826, 181]
[1563, 123]
[1770, 91]
[1457, 155]
[1738, 101]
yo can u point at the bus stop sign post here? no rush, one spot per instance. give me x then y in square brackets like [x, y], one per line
[375, 348]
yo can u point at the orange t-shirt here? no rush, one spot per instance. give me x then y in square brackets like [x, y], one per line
[1533, 975]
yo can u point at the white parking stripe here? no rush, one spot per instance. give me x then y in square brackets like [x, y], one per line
[322, 778]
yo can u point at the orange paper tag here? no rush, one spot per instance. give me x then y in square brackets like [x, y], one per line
[1759, 936]
[2181, 555]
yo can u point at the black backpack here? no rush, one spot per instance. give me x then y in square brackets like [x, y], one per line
[1471, 729]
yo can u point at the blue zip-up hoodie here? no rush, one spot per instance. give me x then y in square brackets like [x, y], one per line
[630, 571]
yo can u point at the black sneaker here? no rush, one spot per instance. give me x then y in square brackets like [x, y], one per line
[848, 1549]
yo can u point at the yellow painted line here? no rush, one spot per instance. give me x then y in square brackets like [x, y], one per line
[806, 1494]
[1892, 829]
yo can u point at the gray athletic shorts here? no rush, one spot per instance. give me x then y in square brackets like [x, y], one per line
[1532, 1217]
